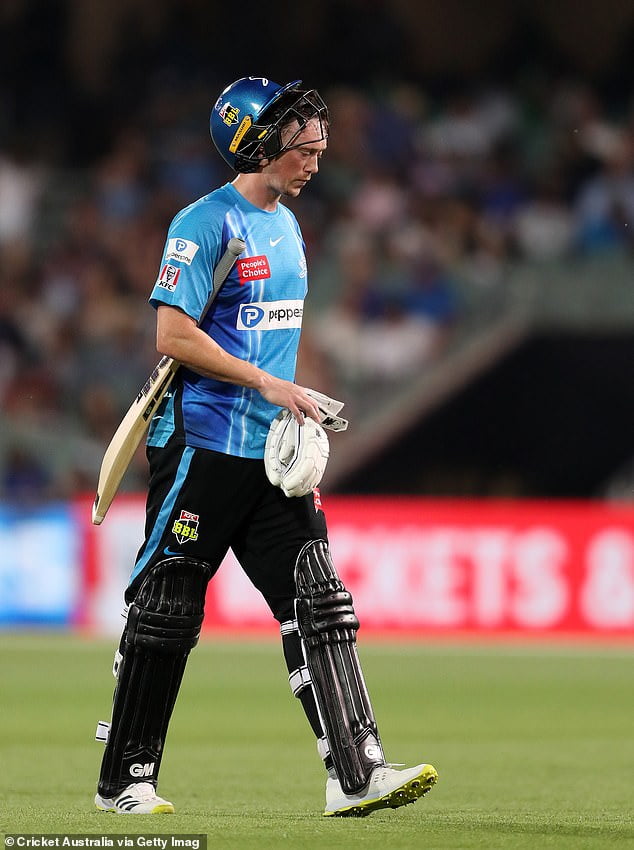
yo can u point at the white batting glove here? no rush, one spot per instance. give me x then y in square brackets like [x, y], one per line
[295, 455]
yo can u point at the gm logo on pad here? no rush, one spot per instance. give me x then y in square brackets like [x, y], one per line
[270, 315]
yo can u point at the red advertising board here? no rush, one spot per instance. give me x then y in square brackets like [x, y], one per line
[488, 567]
[421, 567]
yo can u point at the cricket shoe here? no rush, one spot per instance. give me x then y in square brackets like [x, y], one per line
[137, 799]
[387, 789]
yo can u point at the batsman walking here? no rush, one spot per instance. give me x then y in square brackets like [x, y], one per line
[236, 450]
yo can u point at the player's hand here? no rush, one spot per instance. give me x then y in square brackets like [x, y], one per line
[290, 395]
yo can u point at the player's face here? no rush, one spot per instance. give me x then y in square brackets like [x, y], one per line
[289, 173]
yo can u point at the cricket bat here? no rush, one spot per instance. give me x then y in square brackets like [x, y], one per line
[135, 423]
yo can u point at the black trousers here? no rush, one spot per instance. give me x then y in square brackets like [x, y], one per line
[201, 503]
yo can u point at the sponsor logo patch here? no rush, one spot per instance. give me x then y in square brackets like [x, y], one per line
[138, 769]
[186, 527]
[253, 268]
[181, 250]
[317, 499]
[168, 277]
[244, 126]
[270, 315]
[373, 752]
[229, 113]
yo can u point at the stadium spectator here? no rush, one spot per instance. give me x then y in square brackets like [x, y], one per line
[426, 199]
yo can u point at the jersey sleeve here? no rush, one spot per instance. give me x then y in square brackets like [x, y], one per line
[191, 252]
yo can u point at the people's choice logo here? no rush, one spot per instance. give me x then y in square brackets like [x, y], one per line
[253, 269]
[270, 316]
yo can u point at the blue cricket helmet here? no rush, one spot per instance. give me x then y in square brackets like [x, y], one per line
[246, 119]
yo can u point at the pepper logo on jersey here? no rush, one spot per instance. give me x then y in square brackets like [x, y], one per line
[229, 113]
[168, 277]
[253, 268]
[181, 250]
[270, 315]
[185, 528]
[250, 316]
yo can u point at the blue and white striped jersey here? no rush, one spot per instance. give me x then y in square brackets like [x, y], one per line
[256, 317]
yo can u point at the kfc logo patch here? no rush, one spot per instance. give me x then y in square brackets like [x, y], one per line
[168, 277]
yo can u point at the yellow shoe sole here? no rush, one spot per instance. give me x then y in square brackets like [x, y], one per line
[161, 809]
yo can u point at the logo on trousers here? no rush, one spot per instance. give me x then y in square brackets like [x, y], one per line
[186, 527]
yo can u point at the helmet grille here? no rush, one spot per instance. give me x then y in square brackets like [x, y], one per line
[263, 140]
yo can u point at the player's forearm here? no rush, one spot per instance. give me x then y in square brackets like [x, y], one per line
[204, 356]
[179, 337]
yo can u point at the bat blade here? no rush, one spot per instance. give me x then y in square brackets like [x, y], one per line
[128, 436]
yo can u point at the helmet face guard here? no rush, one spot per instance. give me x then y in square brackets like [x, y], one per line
[265, 139]
[249, 118]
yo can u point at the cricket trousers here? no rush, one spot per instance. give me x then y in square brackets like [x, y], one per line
[201, 503]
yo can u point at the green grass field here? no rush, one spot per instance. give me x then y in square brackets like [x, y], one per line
[534, 746]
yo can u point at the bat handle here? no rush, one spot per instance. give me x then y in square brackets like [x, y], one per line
[236, 245]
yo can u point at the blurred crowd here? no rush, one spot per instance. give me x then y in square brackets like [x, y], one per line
[421, 205]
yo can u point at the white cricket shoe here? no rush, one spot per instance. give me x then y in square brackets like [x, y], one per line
[387, 789]
[138, 799]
